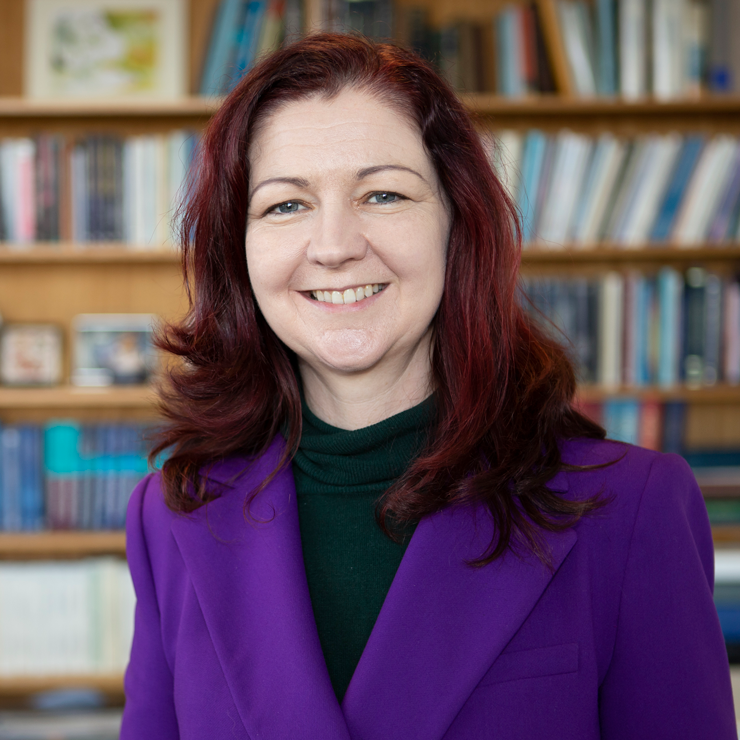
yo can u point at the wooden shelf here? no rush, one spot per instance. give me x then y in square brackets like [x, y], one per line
[726, 535]
[12, 107]
[621, 255]
[559, 105]
[712, 394]
[72, 397]
[58, 544]
[544, 105]
[87, 254]
[21, 685]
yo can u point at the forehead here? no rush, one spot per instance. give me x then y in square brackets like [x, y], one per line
[353, 127]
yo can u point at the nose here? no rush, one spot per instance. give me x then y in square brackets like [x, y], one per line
[337, 236]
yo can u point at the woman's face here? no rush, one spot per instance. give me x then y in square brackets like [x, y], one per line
[343, 196]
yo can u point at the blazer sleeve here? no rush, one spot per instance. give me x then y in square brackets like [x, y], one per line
[669, 674]
[150, 710]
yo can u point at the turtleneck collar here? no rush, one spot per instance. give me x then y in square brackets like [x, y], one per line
[368, 460]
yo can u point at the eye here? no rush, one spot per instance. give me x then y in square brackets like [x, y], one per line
[290, 206]
[385, 197]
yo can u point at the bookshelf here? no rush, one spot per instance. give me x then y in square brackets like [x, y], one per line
[53, 282]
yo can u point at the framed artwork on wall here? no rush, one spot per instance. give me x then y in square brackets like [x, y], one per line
[93, 49]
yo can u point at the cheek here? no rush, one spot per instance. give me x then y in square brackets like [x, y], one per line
[270, 264]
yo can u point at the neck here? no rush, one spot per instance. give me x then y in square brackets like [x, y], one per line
[356, 400]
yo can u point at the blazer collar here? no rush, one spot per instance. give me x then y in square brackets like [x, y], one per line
[441, 627]
[251, 585]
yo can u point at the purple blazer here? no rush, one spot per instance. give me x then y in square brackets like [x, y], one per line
[619, 641]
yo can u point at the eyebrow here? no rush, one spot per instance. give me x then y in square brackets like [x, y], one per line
[381, 167]
[361, 174]
[297, 181]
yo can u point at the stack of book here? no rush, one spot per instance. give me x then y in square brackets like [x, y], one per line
[65, 617]
[667, 48]
[69, 476]
[652, 189]
[96, 188]
[631, 48]
[244, 30]
[639, 330]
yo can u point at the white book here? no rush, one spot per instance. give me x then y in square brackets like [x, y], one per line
[624, 190]
[505, 156]
[632, 48]
[162, 193]
[584, 199]
[138, 191]
[727, 566]
[702, 192]
[571, 156]
[668, 48]
[7, 187]
[614, 155]
[611, 330]
[177, 170]
[724, 173]
[655, 182]
[577, 51]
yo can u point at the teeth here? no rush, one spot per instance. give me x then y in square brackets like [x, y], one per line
[351, 295]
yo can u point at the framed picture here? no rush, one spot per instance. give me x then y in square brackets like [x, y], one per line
[30, 354]
[113, 349]
[105, 49]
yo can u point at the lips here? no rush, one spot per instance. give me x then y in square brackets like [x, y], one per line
[349, 295]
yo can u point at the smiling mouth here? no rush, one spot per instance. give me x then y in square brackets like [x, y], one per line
[351, 295]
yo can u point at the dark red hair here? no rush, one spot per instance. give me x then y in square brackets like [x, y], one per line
[504, 390]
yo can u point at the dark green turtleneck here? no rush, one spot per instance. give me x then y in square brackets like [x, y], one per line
[350, 562]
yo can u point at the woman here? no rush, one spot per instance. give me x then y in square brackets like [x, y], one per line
[525, 578]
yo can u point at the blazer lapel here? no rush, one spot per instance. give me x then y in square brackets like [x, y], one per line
[250, 582]
[442, 625]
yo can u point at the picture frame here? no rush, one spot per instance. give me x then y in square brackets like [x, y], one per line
[106, 49]
[113, 349]
[30, 354]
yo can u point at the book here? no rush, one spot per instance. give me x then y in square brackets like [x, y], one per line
[666, 215]
[576, 28]
[221, 47]
[632, 49]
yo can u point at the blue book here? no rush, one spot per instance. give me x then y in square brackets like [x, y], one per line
[507, 67]
[606, 62]
[622, 419]
[247, 49]
[62, 466]
[670, 288]
[679, 181]
[674, 423]
[221, 49]
[729, 620]
[31, 484]
[532, 158]
[10, 462]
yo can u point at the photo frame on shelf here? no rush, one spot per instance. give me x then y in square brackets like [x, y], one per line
[30, 354]
[105, 49]
[113, 349]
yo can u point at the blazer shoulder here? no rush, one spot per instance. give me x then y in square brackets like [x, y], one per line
[630, 480]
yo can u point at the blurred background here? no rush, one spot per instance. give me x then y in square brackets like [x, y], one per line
[615, 125]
